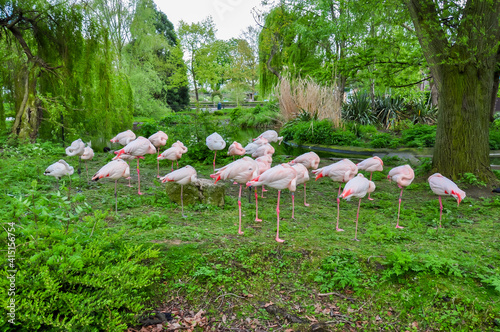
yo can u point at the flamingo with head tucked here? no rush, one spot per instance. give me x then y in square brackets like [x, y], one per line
[124, 137]
[311, 161]
[279, 177]
[373, 164]
[88, 154]
[241, 171]
[182, 176]
[442, 186]
[76, 149]
[114, 170]
[58, 170]
[271, 136]
[357, 187]
[138, 148]
[235, 149]
[341, 171]
[403, 176]
[158, 139]
[215, 142]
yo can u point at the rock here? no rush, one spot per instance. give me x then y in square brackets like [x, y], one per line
[202, 191]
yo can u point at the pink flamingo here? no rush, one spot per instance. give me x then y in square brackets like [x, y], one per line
[235, 149]
[302, 177]
[373, 164]
[357, 187]
[251, 147]
[158, 139]
[311, 161]
[403, 175]
[124, 137]
[215, 142]
[114, 170]
[279, 177]
[127, 158]
[441, 186]
[271, 136]
[341, 171]
[263, 150]
[76, 149]
[88, 154]
[138, 148]
[60, 169]
[241, 171]
[173, 154]
[182, 176]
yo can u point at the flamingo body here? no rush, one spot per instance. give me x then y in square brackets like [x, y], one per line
[114, 170]
[442, 186]
[158, 139]
[310, 160]
[241, 171]
[182, 176]
[88, 153]
[59, 169]
[402, 175]
[235, 149]
[76, 148]
[251, 147]
[373, 164]
[271, 136]
[215, 142]
[124, 137]
[265, 149]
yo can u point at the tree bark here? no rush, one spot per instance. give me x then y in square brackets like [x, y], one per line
[462, 138]
[29, 113]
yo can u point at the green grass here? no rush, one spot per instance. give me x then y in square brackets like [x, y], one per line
[417, 278]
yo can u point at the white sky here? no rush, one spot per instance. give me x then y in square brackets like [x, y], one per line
[230, 16]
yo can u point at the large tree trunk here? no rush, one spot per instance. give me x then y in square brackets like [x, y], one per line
[29, 113]
[462, 139]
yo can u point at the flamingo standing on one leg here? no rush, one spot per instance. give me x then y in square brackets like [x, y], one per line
[182, 176]
[138, 148]
[302, 177]
[241, 171]
[114, 170]
[341, 171]
[235, 149]
[88, 154]
[279, 177]
[358, 187]
[123, 139]
[183, 148]
[173, 154]
[403, 175]
[158, 139]
[215, 142]
[76, 149]
[60, 169]
[441, 186]
[373, 164]
[127, 158]
[311, 161]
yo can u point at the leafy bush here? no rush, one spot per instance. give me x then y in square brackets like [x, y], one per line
[339, 271]
[384, 140]
[419, 136]
[494, 139]
[317, 132]
[259, 116]
[73, 273]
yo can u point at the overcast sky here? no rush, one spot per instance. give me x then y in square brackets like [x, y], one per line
[229, 16]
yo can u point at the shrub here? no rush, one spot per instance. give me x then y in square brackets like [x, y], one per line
[358, 109]
[419, 136]
[384, 140]
[339, 271]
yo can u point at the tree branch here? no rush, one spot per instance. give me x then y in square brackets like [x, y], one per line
[415, 83]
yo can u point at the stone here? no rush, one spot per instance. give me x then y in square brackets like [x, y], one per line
[202, 191]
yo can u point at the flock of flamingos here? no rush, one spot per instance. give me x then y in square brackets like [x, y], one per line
[253, 172]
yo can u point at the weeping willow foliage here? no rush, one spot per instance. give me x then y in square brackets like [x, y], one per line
[284, 46]
[85, 94]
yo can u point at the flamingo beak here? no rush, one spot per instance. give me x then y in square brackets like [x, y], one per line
[320, 175]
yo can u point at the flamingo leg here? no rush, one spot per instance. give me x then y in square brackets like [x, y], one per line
[293, 205]
[158, 163]
[129, 185]
[116, 198]
[357, 217]
[215, 155]
[306, 204]
[338, 210]
[239, 212]
[399, 208]
[138, 177]
[80, 168]
[87, 169]
[256, 206]
[440, 211]
[182, 201]
[172, 168]
[369, 198]
[262, 193]
[177, 162]
[278, 220]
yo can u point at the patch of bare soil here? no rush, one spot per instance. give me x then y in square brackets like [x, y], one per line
[476, 192]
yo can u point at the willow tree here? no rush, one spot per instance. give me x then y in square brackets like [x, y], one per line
[460, 41]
